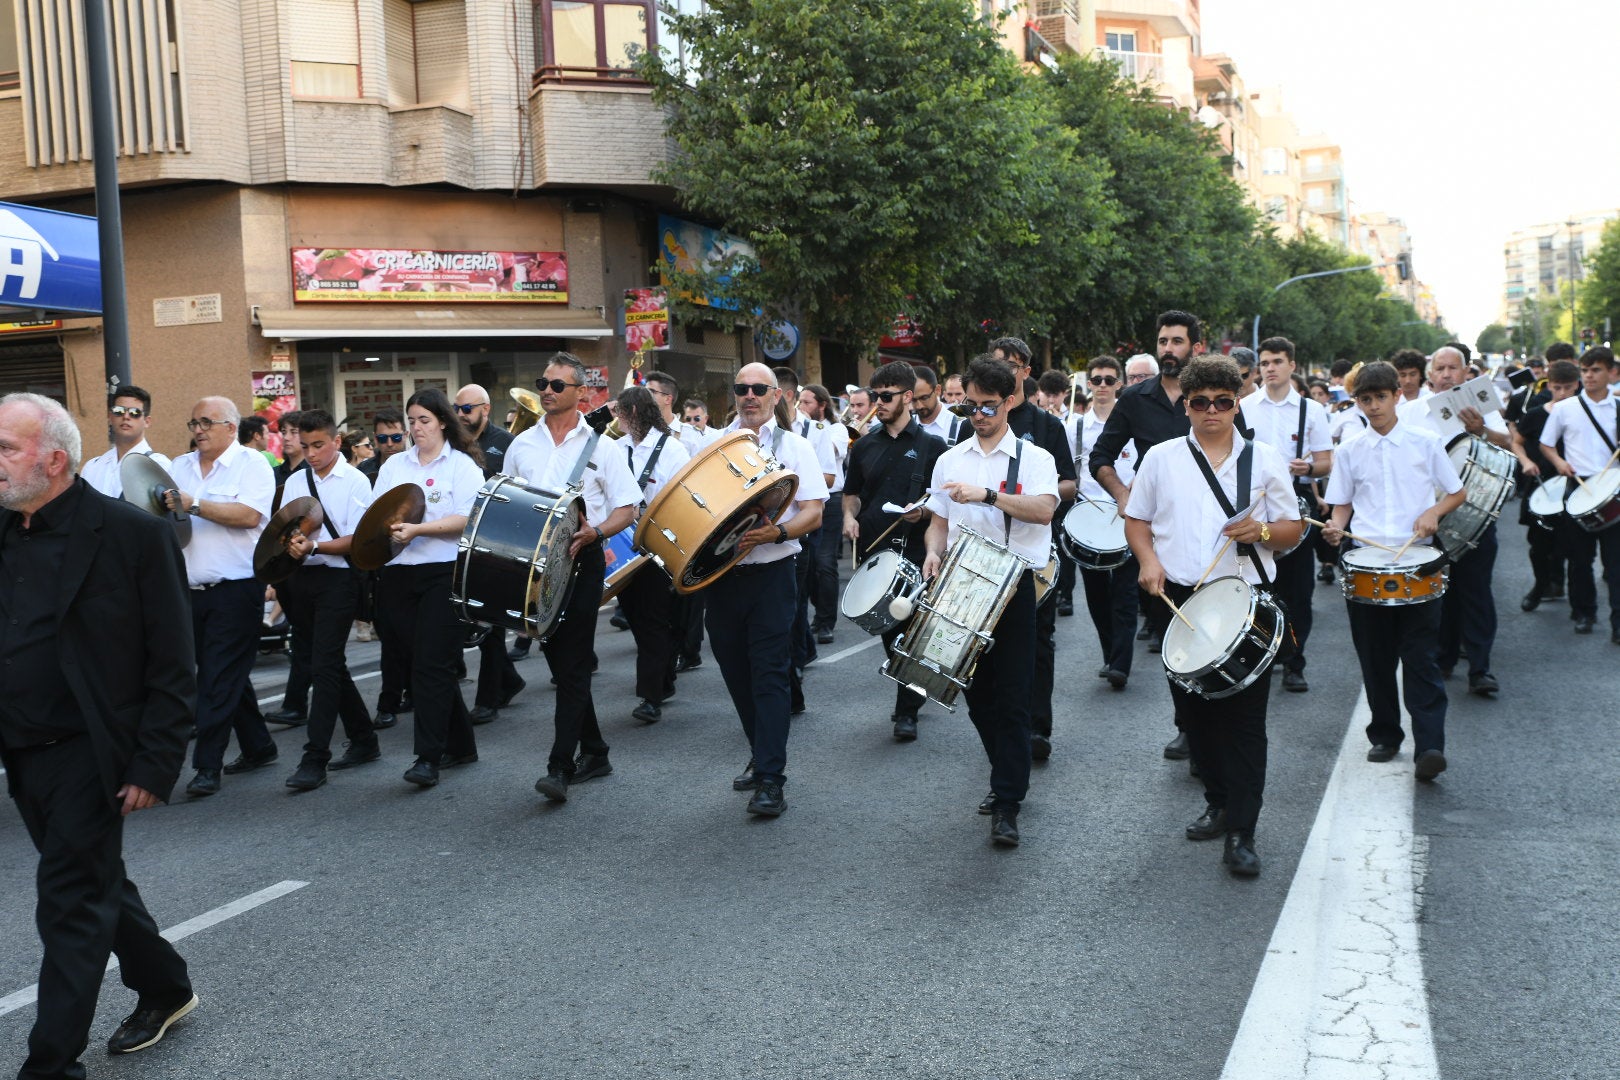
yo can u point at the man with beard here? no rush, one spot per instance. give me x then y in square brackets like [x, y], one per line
[129, 413]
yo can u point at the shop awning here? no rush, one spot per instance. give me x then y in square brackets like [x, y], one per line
[386, 321]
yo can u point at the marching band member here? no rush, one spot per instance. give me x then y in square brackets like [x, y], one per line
[950, 390]
[1410, 367]
[892, 465]
[928, 402]
[691, 427]
[320, 598]
[393, 696]
[129, 414]
[1110, 594]
[1176, 525]
[1387, 478]
[414, 615]
[751, 607]
[695, 414]
[816, 403]
[559, 448]
[1058, 390]
[1005, 489]
[1528, 416]
[819, 437]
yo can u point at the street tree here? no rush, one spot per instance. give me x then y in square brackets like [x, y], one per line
[1599, 297]
[1493, 339]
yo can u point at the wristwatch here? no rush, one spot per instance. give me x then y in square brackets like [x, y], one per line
[989, 497]
[1265, 533]
[781, 534]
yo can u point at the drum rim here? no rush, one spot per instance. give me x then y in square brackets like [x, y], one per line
[1257, 599]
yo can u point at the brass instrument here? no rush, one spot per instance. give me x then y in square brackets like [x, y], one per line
[859, 427]
[528, 409]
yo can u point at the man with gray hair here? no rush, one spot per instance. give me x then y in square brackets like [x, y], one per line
[226, 489]
[91, 734]
[1140, 368]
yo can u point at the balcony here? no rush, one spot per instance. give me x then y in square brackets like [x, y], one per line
[1169, 18]
[1059, 23]
[569, 126]
[1141, 66]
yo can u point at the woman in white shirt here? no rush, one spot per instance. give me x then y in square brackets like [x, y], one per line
[413, 590]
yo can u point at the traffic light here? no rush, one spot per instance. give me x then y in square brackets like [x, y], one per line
[1403, 266]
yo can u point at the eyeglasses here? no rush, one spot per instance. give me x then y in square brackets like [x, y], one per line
[557, 385]
[1103, 380]
[758, 389]
[1204, 404]
[205, 423]
[363, 444]
[987, 409]
[134, 412]
[1137, 378]
[466, 410]
[887, 396]
[651, 389]
[396, 437]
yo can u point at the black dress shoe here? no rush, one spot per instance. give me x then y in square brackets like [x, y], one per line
[1116, 678]
[824, 637]
[688, 663]
[423, 773]
[1040, 747]
[768, 800]
[356, 755]
[745, 780]
[1555, 591]
[619, 622]
[1004, 828]
[450, 761]
[1065, 608]
[647, 712]
[589, 767]
[1430, 764]
[1382, 752]
[145, 1027]
[1102, 672]
[1531, 601]
[384, 721]
[1325, 575]
[506, 699]
[1210, 824]
[249, 762]
[483, 714]
[1155, 644]
[519, 651]
[988, 803]
[1484, 685]
[1144, 632]
[1584, 624]
[289, 717]
[554, 786]
[1239, 856]
[309, 776]
[1294, 682]
[905, 727]
[206, 782]
[1176, 749]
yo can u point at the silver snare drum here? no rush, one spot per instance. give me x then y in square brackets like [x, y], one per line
[873, 589]
[1547, 501]
[1487, 477]
[1236, 632]
[1093, 534]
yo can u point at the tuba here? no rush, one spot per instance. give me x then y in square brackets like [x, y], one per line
[528, 409]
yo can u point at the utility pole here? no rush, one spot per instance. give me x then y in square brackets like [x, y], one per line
[109, 216]
[1574, 328]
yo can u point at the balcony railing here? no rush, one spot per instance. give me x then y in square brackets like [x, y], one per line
[1145, 67]
[1046, 8]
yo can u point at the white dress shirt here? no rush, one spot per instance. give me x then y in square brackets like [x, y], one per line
[669, 462]
[1584, 448]
[968, 463]
[819, 436]
[1170, 492]
[102, 472]
[222, 552]
[1276, 423]
[450, 481]
[1091, 426]
[1072, 422]
[1389, 480]
[691, 438]
[947, 425]
[547, 465]
[1348, 423]
[345, 495]
[795, 452]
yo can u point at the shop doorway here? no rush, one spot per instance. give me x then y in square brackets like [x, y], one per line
[362, 396]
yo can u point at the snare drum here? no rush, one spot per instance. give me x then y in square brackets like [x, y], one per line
[1595, 505]
[1372, 576]
[1046, 578]
[1547, 501]
[513, 569]
[1305, 530]
[623, 560]
[1487, 477]
[1236, 632]
[1093, 534]
[941, 646]
[694, 522]
[884, 578]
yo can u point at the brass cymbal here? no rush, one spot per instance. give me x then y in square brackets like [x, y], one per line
[272, 562]
[144, 482]
[373, 545]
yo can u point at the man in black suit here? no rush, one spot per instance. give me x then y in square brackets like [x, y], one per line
[91, 593]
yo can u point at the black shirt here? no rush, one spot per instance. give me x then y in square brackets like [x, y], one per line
[892, 468]
[1145, 415]
[368, 468]
[493, 442]
[37, 707]
[1531, 420]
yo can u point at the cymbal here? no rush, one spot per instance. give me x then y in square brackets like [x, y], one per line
[272, 562]
[144, 482]
[373, 545]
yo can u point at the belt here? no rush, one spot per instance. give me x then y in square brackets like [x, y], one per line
[754, 568]
[217, 584]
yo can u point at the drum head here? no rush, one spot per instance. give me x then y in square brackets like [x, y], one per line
[1548, 498]
[1095, 525]
[1219, 612]
[1598, 490]
[719, 551]
[1377, 559]
[869, 586]
[553, 575]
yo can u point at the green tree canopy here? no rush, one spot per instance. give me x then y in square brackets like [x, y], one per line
[1598, 298]
[1493, 339]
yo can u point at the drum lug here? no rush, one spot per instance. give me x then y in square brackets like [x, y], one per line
[732, 465]
[697, 499]
[498, 497]
[670, 536]
[470, 602]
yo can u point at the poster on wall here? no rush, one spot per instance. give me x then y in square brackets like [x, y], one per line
[686, 245]
[904, 333]
[274, 393]
[646, 320]
[595, 394]
[380, 275]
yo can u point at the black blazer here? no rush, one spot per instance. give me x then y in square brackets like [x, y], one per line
[125, 640]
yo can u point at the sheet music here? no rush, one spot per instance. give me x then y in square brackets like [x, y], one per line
[1477, 394]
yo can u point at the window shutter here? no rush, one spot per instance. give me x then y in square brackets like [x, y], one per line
[441, 53]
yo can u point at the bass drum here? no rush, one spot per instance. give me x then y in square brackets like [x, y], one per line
[513, 569]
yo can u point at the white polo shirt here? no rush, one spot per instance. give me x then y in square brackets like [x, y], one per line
[1170, 493]
[547, 465]
[795, 452]
[1091, 426]
[450, 481]
[239, 475]
[1276, 423]
[1389, 480]
[968, 463]
[102, 472]
[1584, 449]
[345, 495]
[669, 461]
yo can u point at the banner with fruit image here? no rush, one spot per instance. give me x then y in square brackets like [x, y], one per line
[373, 275]
[646, 319]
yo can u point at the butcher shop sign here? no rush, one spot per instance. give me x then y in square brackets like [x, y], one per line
[381, 275]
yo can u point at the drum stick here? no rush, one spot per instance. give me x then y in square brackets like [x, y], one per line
[1218, 556]
[873, 546]
[1172, 605]
[1351, 535]
[1404, 546]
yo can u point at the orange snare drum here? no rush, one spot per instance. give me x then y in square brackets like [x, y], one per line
[1372, 576]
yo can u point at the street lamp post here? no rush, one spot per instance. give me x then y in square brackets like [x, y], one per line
[1255, 345]
[1574, 330]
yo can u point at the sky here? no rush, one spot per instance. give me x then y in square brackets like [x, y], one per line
[1467, 118]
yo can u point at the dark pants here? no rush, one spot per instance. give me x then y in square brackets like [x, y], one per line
[295, 695]
[394, 659]
[688, 618]
[1407, 635]
[1580, 548]
[320, 602]
[498, 679]
[649, 604]
[1066, 576]
[1546, 560]
[906, 700]
[1157, 616]
[750, 617]
[829, 539]
[1227, 739]
[570, 652]
[804, 563]
[1294, 586]
[1468, 610]
[225, 621]
[413, 603]
[1045, 654]
[998, 697]
[1111, 600]
[87, 907]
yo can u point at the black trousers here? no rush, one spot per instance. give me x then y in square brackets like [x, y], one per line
[649, 603]
[907, 701]
[320, 602]
[1407, 635]
[1111, 601]
[750, 621]
[1546, 560]
[1294, 588]
[688, 617]
[1227, 739]
[225, 621]
[1045, 652]
[998, 697]
[413, 606]
[1468, 610]
[295, 695]
[569, 652]
[497, 676]
[1580, 548]
[87, 907]
[804, 567]
[829, 540]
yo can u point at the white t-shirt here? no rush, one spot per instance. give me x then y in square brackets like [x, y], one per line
[968, 463]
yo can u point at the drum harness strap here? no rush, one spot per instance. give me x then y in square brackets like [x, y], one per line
[1604, 435]
[1010, 487]
[646, 474]
[578, 474]
[1302, 484]
[331, 531]
[1245, 471]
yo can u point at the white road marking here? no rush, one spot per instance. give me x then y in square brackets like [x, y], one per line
[845, 654]
[1340, 993]
[29, 994]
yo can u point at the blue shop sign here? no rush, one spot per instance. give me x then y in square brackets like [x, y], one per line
[49, 261]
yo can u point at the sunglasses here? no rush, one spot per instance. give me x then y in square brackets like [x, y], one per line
[1204, 404]
[887, 396]
[133, 411]
[466, 410]
[557, 385]
[396, 437]
[1103, 380]
[758, 389]
[987, 410]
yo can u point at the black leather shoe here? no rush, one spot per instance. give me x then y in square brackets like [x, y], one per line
[1239, 856]
[356, 755]
[1144, 632]
[1531, 601]
[1294, 682]
[1176, 749]
[423, 773]
[1554, 591]
[450, 761]
[1193, 770]
[249, 762]
[506, 699]
[289, 717]
[554, 786]
[1430, 764]
[206, 782]
[1040, 747]
[905, 727]
[768, 800]
[1116, 678]
[745, 780]
[1209, 826]
[1325, 575]
[1382, 752]
[308, 777]
[483, 714]
[1484, 685]
[1102, 672]
[619, 622]
[146, 1027]
[647, 712]
[383, 721]
[1155, 644]
[519, 651]
[688, 663]
[1065, 608]
[824, 637]
[1584, 624]
[1004, 828]
[988, 803]
[589, 767]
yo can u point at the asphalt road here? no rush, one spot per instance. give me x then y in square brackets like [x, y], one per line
[650, 928]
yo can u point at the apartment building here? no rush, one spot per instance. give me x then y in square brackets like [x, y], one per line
[1224, 106]
[1540, 260]
[1152, 41]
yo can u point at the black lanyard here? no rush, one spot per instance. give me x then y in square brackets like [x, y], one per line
[1010, 485]
[1245, 471]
